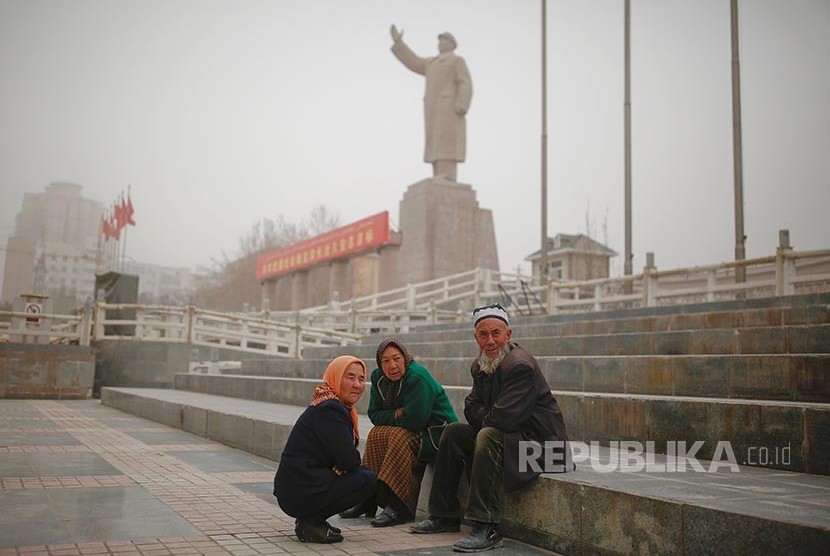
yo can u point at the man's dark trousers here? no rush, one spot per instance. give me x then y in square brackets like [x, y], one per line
[481, 454]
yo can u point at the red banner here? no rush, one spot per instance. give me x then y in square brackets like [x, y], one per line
[362, 235]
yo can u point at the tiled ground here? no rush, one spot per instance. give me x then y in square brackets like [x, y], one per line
[78, 478]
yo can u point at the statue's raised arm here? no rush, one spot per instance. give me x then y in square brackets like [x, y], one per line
[449, 91]
[397, 36]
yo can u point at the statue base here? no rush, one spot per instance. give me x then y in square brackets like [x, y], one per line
[444, 231]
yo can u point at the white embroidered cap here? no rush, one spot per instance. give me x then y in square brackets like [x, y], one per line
[494, 310]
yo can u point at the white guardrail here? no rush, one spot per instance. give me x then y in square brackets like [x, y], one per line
[398, 311]
[787, 273]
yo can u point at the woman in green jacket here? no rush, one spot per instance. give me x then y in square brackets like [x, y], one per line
[410, 411]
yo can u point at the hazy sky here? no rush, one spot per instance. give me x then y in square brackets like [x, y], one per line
[223, 112]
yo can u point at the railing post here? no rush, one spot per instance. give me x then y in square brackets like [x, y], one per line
[298, 333]
[98, 324]
[410, 297]
[85, 318]
[433, 312]
[139, 323]
[553, 298]
[190, 311]
[649, 282]
[353, 318]
[597, 297]
[711, 282]
[784, 265]
[487, 280]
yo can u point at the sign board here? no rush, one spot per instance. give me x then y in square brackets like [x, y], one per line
[369, 233]
[32, 308]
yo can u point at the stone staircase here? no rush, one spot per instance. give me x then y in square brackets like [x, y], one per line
[754, 373]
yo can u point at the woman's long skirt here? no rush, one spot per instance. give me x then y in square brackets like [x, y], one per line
[392, 452]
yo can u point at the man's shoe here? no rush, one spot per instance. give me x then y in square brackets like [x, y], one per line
[434, 524]
[389, 517]
[484, 537]
[368, 508]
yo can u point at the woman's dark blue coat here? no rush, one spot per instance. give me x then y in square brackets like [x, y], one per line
[322, 438]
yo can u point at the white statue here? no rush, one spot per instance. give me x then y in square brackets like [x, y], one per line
[449, 91]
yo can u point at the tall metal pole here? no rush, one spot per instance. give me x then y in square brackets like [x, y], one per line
[627, 270]
[543, 271]
[737, 149]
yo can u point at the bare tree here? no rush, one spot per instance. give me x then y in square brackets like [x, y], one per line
[231, 280]
[321, 220]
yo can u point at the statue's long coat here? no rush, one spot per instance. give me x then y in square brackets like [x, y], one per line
[448, 86]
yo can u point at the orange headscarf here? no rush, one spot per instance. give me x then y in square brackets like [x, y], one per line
[330, 389]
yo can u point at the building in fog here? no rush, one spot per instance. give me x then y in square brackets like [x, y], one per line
[54, 247]
[161, 285]
[573, 257]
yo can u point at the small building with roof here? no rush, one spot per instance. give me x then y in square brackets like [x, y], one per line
[573, 257]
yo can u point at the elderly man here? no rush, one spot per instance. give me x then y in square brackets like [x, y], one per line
[449, 91]
[510, 403]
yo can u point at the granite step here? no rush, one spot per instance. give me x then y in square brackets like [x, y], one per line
[804, 301]
[800, 377]
[599, 508]
[760, 340]
[605, 417]
[523, 328]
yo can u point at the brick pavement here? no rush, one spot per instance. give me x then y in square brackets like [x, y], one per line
[78, 478]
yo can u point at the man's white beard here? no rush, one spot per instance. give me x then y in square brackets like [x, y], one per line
[488, 365]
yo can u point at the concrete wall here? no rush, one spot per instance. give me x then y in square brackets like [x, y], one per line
[29, 371]
[152, 364]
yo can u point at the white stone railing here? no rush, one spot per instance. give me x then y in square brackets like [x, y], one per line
[399, 311]
[208, 328]
[479, 282]
[44, 328]
[787, 273]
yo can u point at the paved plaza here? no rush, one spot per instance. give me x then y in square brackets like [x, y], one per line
[79, 478]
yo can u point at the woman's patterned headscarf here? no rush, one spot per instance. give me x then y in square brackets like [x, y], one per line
[330, 389]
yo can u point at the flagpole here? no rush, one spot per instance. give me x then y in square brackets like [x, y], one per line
[98, 250]
[114, 248]
[126, 225]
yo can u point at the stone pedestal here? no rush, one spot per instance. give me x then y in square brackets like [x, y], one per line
[444, 231]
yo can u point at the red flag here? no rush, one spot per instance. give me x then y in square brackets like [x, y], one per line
[115, 227]
[118, 209]
[129, 211]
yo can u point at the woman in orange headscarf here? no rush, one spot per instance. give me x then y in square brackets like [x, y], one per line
[319, 473]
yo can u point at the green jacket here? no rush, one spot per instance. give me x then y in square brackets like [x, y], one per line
[426, 407]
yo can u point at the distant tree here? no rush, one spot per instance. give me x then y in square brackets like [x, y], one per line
[588, 267]
[231, 281]
[321, 220]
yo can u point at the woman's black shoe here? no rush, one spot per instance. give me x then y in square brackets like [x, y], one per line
[332, 527]
[389, 517]
[368, 508]
[321, 534]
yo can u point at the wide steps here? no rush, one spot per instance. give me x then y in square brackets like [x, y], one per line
[527, 328]
[721, 341]
[605, 417]
[792, 377]
[588, 511]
